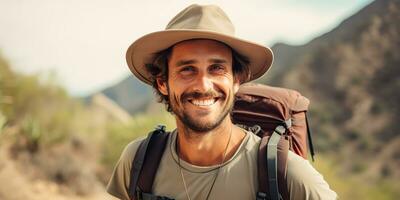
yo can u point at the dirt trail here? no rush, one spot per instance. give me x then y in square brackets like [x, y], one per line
[14, 185]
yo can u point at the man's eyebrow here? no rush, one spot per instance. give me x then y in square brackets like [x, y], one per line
[211, 60]
[217, 60]
[184, 62]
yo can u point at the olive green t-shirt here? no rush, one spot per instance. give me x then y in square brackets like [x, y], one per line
[237, 177]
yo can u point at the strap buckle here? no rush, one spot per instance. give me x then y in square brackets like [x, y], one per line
[161, 127]
[255, 129]
[280, 130]
[261, 196]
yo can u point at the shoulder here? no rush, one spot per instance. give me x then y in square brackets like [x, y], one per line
[250, 144]
[304, 181]
[252, 140]
[118, 184]
[130, 150]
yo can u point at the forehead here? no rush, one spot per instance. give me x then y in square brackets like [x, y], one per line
[200, 47]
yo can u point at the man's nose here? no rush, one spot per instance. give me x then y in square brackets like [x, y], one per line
[203, 83]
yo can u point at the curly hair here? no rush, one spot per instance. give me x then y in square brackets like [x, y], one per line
[159, 69]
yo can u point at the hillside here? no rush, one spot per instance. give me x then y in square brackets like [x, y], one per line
[50, 145]
[55, 147]
[130, 94]
[352, 76]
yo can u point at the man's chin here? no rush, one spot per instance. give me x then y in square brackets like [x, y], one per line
[201, 124]
[201, 128]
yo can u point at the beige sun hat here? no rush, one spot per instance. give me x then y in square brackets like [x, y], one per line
[196, 22]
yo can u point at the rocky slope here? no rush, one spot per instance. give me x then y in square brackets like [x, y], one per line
[352, 76]
[130, 94]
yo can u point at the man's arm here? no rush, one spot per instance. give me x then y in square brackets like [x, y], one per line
[305, 182]
[118, 184]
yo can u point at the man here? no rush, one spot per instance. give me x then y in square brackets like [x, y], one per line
[196, 66]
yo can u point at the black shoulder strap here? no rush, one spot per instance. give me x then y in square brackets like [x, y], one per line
[146, 161]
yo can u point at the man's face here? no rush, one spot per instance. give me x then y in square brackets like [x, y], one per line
[201, 85]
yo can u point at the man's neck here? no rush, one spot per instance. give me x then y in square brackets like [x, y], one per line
[209, 148]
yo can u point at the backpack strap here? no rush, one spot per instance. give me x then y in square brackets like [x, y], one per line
[272, 166]
[272, 157]
[310, 143]
[262, 170]
[146, 161]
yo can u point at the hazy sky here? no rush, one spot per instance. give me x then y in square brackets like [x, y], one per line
[84, 41]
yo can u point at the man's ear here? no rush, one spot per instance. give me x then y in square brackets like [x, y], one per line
[162, 86]
[236, 85]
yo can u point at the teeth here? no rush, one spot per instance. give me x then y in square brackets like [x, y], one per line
[207, 102]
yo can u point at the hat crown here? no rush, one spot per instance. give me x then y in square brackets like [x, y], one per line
[202, 17]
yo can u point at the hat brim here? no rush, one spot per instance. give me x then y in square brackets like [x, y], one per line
[143, 50]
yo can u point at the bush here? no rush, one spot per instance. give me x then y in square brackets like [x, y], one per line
[352, 186]
[2, 122]
[119, 135]
[40, 109]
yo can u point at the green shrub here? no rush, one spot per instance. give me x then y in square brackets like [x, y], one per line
[38, 108]
[31, 133]
[2, 122]
[349, 185]
[119, 135]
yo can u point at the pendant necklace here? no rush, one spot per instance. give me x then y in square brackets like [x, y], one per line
[216, 175]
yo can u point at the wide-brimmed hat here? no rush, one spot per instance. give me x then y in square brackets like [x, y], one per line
[196, 22]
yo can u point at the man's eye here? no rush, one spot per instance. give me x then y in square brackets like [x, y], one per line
[217, 68]
[187, 70]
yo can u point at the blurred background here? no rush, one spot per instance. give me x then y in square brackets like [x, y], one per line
[69, 105]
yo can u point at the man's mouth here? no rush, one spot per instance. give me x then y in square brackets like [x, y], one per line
[206, 99]
[203, 102]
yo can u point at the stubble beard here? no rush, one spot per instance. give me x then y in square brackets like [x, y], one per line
[195, 125]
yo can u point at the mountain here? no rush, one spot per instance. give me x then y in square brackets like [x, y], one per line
[110, 110]
[352, 76]
[131, 94]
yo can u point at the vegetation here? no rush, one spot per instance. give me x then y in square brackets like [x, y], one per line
[58, 138]
[354, 186]
[119, 135]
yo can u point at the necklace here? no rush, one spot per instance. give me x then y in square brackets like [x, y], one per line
[216, 174]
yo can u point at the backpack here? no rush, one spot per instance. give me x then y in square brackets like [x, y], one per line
[277, 115]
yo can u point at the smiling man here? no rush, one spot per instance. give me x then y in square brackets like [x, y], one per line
[196, 66]
[201, 84]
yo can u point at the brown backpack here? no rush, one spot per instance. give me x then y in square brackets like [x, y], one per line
[278, 116]
[275, 114]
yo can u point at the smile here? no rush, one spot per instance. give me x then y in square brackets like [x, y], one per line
[203, 102]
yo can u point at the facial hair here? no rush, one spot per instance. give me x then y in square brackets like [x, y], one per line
[193, 123]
